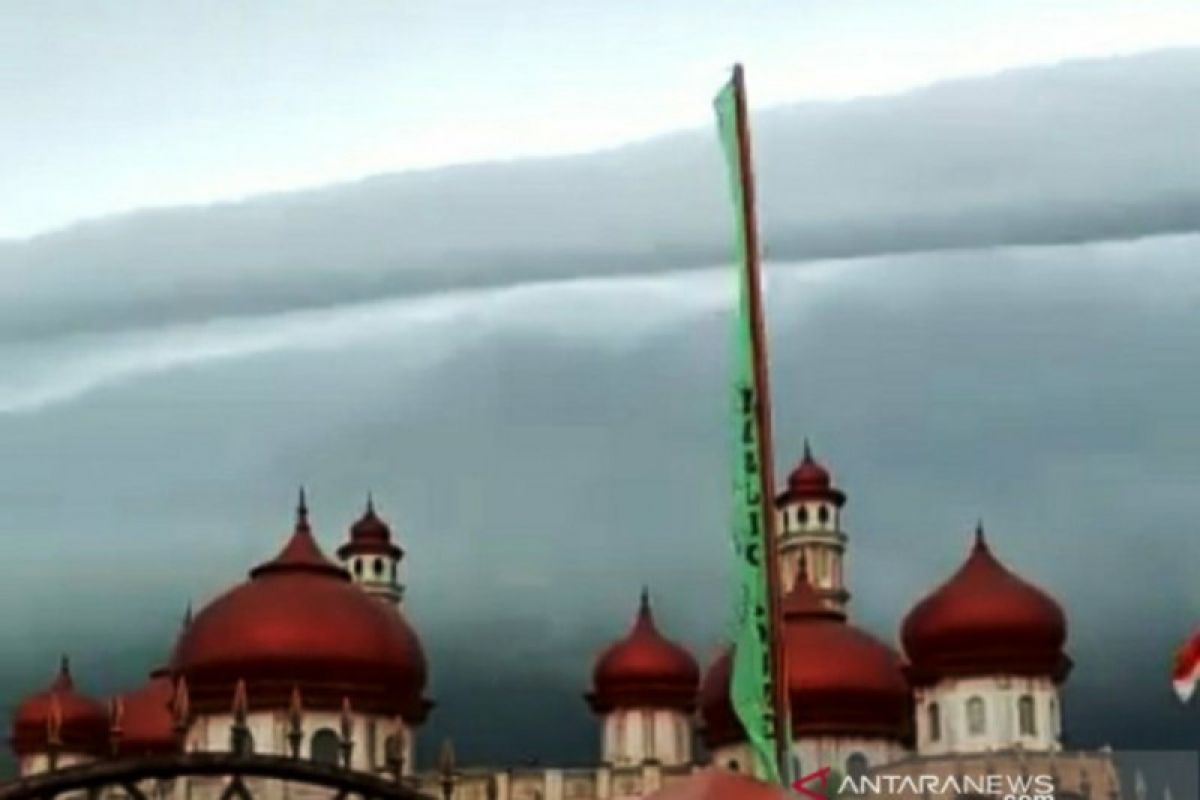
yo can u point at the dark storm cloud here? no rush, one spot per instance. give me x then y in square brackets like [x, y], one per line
[545, 449]
[1103, 149]
[555, 447]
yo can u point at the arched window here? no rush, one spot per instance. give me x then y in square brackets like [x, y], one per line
[856, 765]
[325, 746]
[976, 716]
[935, 722]
[733, 765]
[1026, 716]
[802, 515]
[358, 567]
[823, 513]
[378, 567]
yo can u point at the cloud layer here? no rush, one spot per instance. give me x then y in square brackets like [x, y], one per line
[547, 434]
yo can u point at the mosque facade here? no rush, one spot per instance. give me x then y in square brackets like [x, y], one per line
[313, 657]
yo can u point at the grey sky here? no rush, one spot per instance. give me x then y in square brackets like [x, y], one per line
[982, 301]
[113, 106]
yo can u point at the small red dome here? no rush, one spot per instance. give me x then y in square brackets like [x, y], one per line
[985, 621]
[841, 681]
[811, 481]
[300, 623]
[370, 535]
[644, 669]
[147, 725]
[76, 723]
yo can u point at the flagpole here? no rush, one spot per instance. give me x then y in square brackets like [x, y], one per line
[752, 265]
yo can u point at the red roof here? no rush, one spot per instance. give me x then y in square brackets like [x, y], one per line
[841, 681]
[299, 623]
[644, 669]
[79, 723]
[147, 724]
[370, 535]
[985, 620]
[717, 784]
[810, 480]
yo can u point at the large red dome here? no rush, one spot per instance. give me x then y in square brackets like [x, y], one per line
[644, 669]
[841, 681]
[299, 622]
[147, 725]
[985, 621]
[79, 723]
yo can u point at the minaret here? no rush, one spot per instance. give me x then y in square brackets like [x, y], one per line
[810, 530]
[371, 558]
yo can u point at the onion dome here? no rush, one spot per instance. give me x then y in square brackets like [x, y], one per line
[810, 480]
[985, 621]
[370, 535]
[644, 669]
[60, 717]
[718, 784]
[841, 681]
[146, 724]
[299, 624]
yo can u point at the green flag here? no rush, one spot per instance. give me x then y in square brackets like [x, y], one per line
[751, 690]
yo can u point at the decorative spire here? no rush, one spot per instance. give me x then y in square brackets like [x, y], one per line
[239, 734]
[241, 703]
[181, 707]
[302, 510]
[187, 616]
[346, 745]
[295, 734]
[370, 503]
[644, 603]
[808, 456]
[447, 768]
[980, 539]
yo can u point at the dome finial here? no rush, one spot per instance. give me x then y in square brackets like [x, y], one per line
[645, 598]
[64, 665]
[808, 456]
[980, 541]
[370, 503]
[302, 508]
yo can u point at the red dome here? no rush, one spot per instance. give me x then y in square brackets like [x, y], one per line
[841, 681]
[147, 725]
[300, 623]
[985, 621]
[370, 535]
[644, 669]
[811, 481]
[79, 723]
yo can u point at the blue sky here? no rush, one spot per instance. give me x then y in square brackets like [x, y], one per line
[142, 103]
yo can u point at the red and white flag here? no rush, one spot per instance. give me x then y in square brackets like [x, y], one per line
[1187, 668]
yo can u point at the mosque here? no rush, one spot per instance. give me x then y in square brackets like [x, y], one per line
[314, 658]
